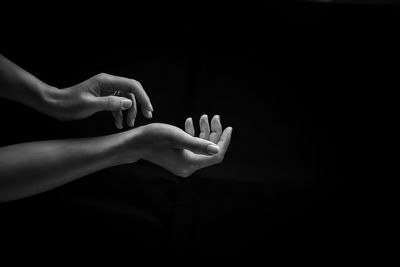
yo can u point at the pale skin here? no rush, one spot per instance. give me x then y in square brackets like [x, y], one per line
[31, 168]
[78, 101]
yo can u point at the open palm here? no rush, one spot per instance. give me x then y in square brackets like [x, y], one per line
[180, 151]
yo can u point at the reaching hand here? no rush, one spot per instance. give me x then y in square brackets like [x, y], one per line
[98, 93]
[180, 152]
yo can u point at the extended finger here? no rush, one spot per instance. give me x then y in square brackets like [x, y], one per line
[216, 129]
[189, 128]
[225, 140]
[131, 115]
[204, 128]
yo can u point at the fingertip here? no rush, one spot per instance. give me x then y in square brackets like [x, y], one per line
[204, 124]
[120, 120]
[148, 114]
[219, 120]
[213, 149]
[188, 122]
[126, 104]
[216, 123]
[131, 123]
[118, 125]
[189, 126]
[147, 105]
[228, 132]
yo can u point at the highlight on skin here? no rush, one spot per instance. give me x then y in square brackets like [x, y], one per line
[30, 168]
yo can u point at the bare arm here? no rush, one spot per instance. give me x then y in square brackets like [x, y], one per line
[76, 102]
[19, 85]
[30, 168]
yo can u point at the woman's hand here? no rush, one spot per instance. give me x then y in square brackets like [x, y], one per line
[97, 94]
[76, 102]
[181, 152]
[23, 172]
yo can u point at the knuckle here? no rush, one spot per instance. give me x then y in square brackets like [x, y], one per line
[101, 76]
[185, 173]
[137, 82]
[113, 102]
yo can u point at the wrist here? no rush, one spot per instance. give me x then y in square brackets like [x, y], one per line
[53, 101]
[129, 148]
[113, 150]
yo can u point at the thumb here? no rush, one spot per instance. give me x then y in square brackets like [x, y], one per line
[196, 145]
[112, 103]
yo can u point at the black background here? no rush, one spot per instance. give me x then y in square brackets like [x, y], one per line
[297, 82]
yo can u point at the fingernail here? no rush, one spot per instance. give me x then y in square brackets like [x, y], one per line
[126, 103]
[149, 114]
[212, 149]
[151, 107]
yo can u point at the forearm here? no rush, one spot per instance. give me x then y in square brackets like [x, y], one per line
[30, 168]
[21, 86]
